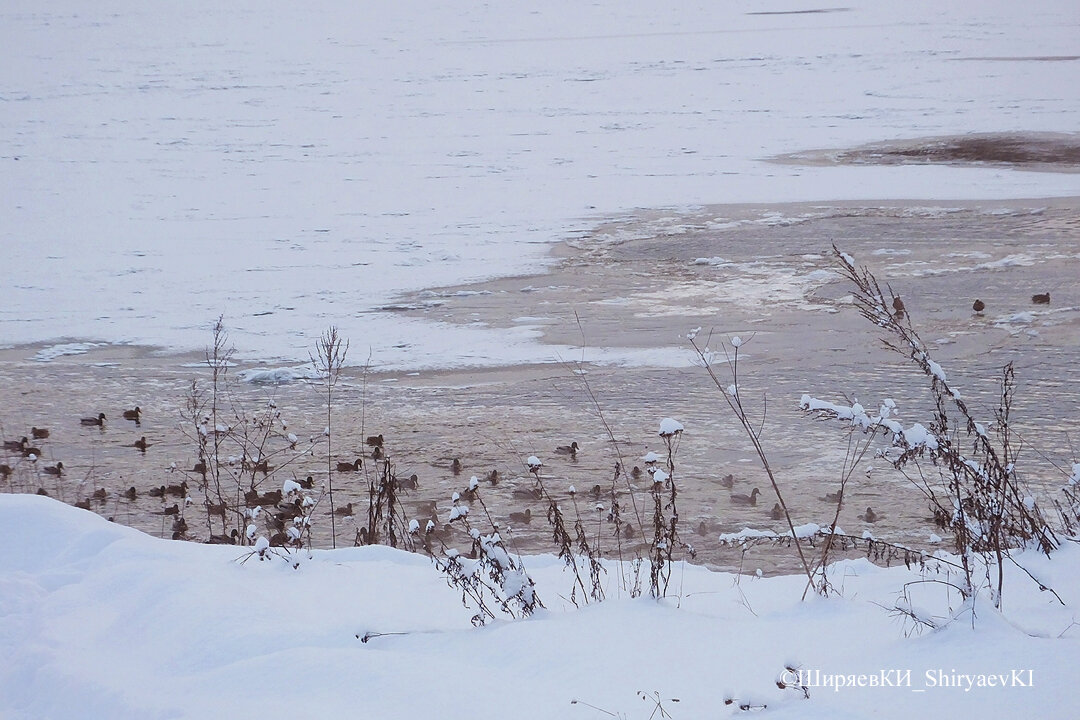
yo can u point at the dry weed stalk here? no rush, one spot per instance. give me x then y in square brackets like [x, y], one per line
[979, 496]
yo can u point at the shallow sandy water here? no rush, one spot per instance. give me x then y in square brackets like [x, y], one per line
[639, 284]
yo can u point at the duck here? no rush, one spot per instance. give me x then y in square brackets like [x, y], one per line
[133, 415]
[271, 498]
[374, 440]
[180, 490]
[521, 517]
[99, 420]
[39, 433]
[43, 491]
[345, 511]
[751, 499]
[870, 516]
[702, 528]
[290, 511]
[627, 531]
[597, 492]
[57, 469]
[777, 512]
[410, 483]
[31, 452]
[173, 509]
[262, 466]
[570, 449]
[13, 445]
[377, 452]
[81, 504]
[100, 494]
[5, 470]
[308, 483]
[832, 497]
[493, 477]
[141, 444]
[130, 493]
[635, 473]
[157, 491]
[199, 467]
[349, 467]
[728, 481]
[898, 305]
[978, 306]
[229, 539]
[1041, 299]
[455, 466]
[218, 509]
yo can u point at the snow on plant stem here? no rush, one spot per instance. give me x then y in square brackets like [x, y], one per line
[670, 427]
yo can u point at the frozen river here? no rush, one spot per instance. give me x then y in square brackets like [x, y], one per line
[293, 167]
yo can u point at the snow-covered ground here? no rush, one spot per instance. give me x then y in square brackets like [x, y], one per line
[100, 621]
[294, 165]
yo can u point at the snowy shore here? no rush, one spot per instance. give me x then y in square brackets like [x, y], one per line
[101, 621]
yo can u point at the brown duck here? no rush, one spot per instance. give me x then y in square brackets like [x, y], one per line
[751, 499]
[19, 445]
[570, 449]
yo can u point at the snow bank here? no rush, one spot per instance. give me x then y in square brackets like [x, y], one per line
[100, 620]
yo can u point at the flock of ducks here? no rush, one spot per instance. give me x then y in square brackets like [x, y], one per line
[27, 448]
[777, 512]
[427, 509]
[978, 306]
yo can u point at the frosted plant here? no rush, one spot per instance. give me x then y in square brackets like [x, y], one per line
[966, 468]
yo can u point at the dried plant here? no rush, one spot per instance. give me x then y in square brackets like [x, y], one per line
[330, 353]
[966, 469]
